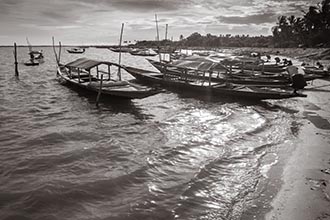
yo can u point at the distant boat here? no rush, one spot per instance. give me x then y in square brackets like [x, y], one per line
[202, 53]
[143, 52]
[76, 50]
[316, 70]
[86, 74]
[36, 57]
[121, 49]
[185, 82]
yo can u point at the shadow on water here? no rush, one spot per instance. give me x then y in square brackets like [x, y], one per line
[110, 103]
[276, 107]
[189, 94]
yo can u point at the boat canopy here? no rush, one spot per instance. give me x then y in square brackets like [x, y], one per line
[200, 63]
[87, 64]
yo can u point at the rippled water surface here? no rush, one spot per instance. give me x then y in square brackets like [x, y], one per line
[169, 156]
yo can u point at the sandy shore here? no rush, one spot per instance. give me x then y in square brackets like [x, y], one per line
[304, 192]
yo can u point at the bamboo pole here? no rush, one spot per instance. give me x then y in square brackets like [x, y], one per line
[100, 91]
[160, 57]
[55, 53]
[119, 60]
[109, 73]
[16, 63]
[166, 32]
[79, 75]
[59, 53]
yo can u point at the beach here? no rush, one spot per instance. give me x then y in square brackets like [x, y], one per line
[304, 192]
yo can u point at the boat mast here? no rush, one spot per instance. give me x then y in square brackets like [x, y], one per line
[119, 59]
[29, 45]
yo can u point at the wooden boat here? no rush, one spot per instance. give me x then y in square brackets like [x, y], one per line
[121, 49]
[316, 71]
[30, 63]
[190, 82]
[88, 74]
[143, 52]
[76, 50]
[221, 73]
[254, 64]
[202, 53]
[36, 56]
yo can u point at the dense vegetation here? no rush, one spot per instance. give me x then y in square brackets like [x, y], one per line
[310, 30]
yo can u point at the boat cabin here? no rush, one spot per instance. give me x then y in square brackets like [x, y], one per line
[88, 70]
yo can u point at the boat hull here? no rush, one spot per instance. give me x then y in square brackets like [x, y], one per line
[277, 81]
[252, 93]
[115, 92]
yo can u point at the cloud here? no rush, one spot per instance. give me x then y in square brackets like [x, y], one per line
[147, 5]
[249, 19]
[73, 20]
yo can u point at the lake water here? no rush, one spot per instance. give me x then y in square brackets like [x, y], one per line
[169, 156]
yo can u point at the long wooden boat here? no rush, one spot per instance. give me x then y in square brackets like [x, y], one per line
[76, 50]
[273, 68]
[36, 58]
[143, 52]
[222, 74]
[317, 71]
[189, 82]
[86, 74]
[120, 49]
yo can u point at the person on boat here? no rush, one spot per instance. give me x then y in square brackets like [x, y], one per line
[31, 57]
[285, 61]
[298, 80]
[319, 65]
[278, 60]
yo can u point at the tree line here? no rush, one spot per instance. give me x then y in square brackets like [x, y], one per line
[211, 41]
[310, 30]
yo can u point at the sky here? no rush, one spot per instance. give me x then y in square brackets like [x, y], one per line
[98, 22]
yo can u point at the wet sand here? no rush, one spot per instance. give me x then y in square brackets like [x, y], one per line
[304, 189]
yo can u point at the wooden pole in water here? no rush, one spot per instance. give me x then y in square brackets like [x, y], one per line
[100, 91]
[166, 32]
[59, 53]
[16, 63]
[119, 60]
[160, 58]
[57, 61]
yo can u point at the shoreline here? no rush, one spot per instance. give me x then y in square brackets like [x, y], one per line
[303, 187]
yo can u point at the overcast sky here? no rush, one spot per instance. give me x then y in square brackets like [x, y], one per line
[99, 21]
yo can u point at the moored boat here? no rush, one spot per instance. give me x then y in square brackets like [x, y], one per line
[186, 82]
[143, 52]
[316, 71]
[36, 56]
[121, 49]
[220, 73]
[76, 50]
[87, 74]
